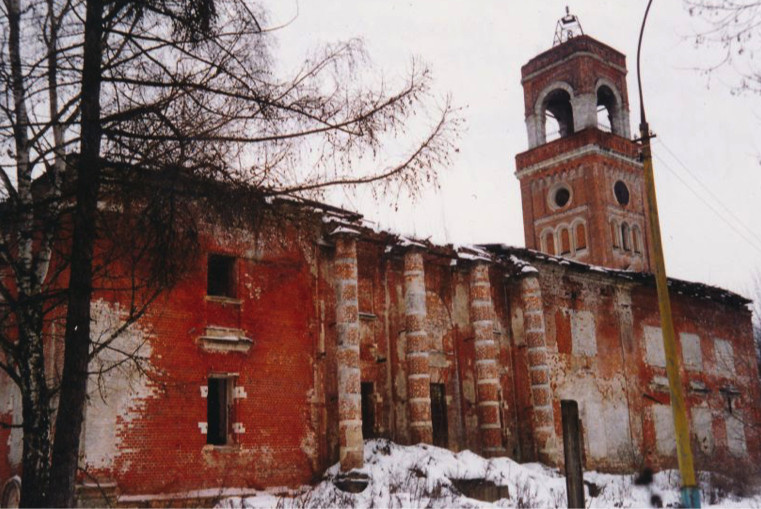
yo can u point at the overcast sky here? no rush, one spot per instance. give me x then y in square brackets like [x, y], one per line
[476, 49]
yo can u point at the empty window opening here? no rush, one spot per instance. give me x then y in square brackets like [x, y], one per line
[625, 237]
[607, 110]
[621, 191]
[549, 243]
[220, 276]
[368, 410]
[581, 237]
[565, 241]
[439, 415]
[614, 232]
[559, 112]
[219, 410]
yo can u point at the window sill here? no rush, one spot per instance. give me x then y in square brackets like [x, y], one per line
[223, 300]
[698, 387]
[221, 339]
[223, 449]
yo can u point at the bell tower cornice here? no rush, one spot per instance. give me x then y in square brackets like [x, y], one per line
[589, 141]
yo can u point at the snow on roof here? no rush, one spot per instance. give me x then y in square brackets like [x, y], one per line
[523, 266]
[345, 230]
[475, 253]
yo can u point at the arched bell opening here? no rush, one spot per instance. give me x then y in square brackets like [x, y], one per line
[608, 111]
[558, 113]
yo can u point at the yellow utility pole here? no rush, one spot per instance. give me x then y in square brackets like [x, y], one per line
[690, 492]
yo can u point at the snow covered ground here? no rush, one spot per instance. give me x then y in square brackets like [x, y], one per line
[421, 476]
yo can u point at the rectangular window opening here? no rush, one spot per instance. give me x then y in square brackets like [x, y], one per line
[219, 410]
[221, 281]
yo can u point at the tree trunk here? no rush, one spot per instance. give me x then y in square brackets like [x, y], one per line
[29, 351]
[77, 336]
[35, 411]
[36, 451]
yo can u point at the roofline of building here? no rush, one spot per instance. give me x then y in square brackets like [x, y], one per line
[689, 288]
[517, 260]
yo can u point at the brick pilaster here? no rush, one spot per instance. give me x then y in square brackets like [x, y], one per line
[351, 451]
[487, 355]
[418, 376]
[541, 390]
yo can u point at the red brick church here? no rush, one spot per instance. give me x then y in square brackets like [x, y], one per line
[286, 347]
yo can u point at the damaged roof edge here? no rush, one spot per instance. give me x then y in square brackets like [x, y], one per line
[518, 258]
[678, 286]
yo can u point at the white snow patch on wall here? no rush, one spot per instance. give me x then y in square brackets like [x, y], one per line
[693, 357]
[583, 334]
[120, 390]
[654, 354]
[665, 441]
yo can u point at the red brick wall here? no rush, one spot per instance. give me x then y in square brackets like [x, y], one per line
[162, 448]
[616, 385]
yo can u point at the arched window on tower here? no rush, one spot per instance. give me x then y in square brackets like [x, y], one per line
[565, 241]
[636, 239]
[581, 236]
[548, 239]
[607, 110]
[615, 233]
[626, 237]
[559, 114]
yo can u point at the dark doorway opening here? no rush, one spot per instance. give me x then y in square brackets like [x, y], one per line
[218, 411]
[368, 411]
[439, 415]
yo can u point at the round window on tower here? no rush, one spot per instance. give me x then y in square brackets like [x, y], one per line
[560, 196]
[621, 192]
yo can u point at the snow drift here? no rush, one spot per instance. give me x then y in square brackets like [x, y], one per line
[428, 476]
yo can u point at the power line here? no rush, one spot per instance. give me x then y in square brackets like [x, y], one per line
[742, 235]
[711, 193]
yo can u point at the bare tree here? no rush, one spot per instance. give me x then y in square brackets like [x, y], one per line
[734, 27]
[98, 95]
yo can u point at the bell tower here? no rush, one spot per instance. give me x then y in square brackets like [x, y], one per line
[582, 184]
